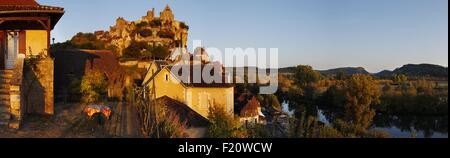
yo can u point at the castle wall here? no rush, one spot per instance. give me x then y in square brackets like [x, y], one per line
[121, 34]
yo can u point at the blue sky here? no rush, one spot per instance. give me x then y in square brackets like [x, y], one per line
[375, 34]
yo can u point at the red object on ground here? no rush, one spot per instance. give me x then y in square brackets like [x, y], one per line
[91, 110]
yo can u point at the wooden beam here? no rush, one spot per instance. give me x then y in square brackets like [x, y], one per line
[43, 24]
[23, 18]
[39, 20]
[49, 27]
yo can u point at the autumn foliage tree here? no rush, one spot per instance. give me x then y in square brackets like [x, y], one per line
[93, 86]
[223, 125]
[361, 92]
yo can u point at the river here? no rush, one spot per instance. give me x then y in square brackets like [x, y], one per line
[401, 126]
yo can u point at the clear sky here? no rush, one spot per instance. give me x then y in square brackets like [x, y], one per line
[375, 34]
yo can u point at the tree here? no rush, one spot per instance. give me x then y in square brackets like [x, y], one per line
[93, 86]
[135, 50]
[184, 26]
[305, 75]
[146, 33]
[273, 101]
[82, 41]
[301, 97]
[159, 52]
[223, 125]
[361, 92]
[400, 79]
[155, 23]
[142, 24]
[166, 34]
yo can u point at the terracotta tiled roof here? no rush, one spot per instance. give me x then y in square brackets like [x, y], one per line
[18, 2]
[251, 109]
[183, 112]
[25, 5]
[29, 8]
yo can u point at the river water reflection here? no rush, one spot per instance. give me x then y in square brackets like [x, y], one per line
[399, 126]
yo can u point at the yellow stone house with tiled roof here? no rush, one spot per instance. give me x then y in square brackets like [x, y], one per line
[164, 80]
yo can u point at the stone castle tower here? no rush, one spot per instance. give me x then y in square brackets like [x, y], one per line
[167, 14]
[121, 22]
[150, 15]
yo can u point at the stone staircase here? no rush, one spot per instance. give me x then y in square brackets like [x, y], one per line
[5, 115]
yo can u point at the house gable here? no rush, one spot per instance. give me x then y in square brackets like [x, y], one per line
[167, 85]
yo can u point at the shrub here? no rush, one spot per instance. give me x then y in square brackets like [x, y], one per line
[166, 34]
[142, 24]
[156, 120]
[82, 41]
[93, 86]
[135, 50]
[159, 52]
[224, 125]
[146, 33]
[184, 26]
[155, 23]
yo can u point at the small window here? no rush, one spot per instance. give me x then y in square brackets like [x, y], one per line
[167, 77]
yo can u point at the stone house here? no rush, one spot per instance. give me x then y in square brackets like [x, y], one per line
[164, 80]
[251, 113]
[25, 27]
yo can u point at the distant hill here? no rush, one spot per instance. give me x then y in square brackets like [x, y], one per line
[417, 70]
[410, 70]
[331, 72]
[286, 70]
[345, 71]
[384, 74]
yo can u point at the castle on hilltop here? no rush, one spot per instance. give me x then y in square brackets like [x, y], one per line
[156, 31]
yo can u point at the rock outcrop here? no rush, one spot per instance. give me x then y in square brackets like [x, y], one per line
[156, 31]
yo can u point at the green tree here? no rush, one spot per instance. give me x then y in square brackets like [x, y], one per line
[155, 23]
[159, 52]
[223, 125]
[305, 75]
[135, 50]
[301, 97]
[166, 34]
[143, 32]
[93, 86]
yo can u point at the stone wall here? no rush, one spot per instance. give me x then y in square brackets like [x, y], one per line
[17, 106]
[38, 88]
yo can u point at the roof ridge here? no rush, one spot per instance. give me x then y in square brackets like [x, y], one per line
[19, 2]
